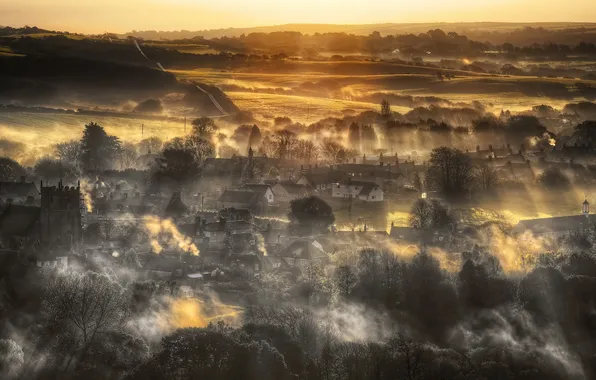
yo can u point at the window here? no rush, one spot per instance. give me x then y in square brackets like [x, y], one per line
[373, 197]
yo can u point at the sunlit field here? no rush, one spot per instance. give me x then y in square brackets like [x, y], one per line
[298, 108]
[316, 80]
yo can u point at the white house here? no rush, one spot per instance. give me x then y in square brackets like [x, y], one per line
[365, 191]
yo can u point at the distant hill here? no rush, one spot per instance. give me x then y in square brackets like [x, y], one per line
[474, 30]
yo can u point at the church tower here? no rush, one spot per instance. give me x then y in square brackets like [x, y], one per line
[60, 220]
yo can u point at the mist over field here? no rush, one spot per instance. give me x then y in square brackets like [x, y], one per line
[301, 201]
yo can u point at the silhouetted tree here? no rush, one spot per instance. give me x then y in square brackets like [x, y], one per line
[254, 139]
[178, 164]
[306, 151]
[10, 170]
[151, 145]
[429, 214]
[69, 151]
[284, 142]
[385, 108]
[450, 172]
[311, 213]
[98, 148]
[204, 128]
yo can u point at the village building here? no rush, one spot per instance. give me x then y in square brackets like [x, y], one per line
[364, 191]
[49, 231]
[245, 199]
[300, 254]
[19, 192]
[286, 191]
[557, 226]
[263, 190]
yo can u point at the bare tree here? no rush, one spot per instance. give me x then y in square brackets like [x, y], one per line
[128, 156]
[284, 141]
[267, 147]
[485, 177]
[69, 151]
[201, 149]
[150, 145]
[84, 306]
[306, 150]
[331, 149]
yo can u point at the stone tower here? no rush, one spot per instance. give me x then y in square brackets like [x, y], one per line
[60, 220]
[586, 208]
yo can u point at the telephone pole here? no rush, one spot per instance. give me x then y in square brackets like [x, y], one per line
[184, 124]
[142, 130]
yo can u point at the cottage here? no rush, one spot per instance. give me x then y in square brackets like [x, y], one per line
[286, 191]
[323, 181]
[246, 199]
[365, 191]
[263, 190]
[301, 253]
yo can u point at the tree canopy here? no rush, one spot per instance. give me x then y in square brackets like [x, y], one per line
[311, 213]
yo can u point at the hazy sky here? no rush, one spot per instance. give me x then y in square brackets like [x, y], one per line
[92, 16]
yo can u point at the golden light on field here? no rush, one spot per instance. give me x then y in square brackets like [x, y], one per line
[192, 312]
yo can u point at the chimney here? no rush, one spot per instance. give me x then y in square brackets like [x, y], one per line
[22, 179]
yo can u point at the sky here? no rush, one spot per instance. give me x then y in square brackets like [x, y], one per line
[97, 16]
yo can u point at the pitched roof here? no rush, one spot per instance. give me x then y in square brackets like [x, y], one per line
[259, 188]
[18, 220]
[556, 224]
[294, 188]
[176, 206]
[17, 189]
[163, 263]
[367, 188]
[325, 178]
[240, 196]
[304, 249]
